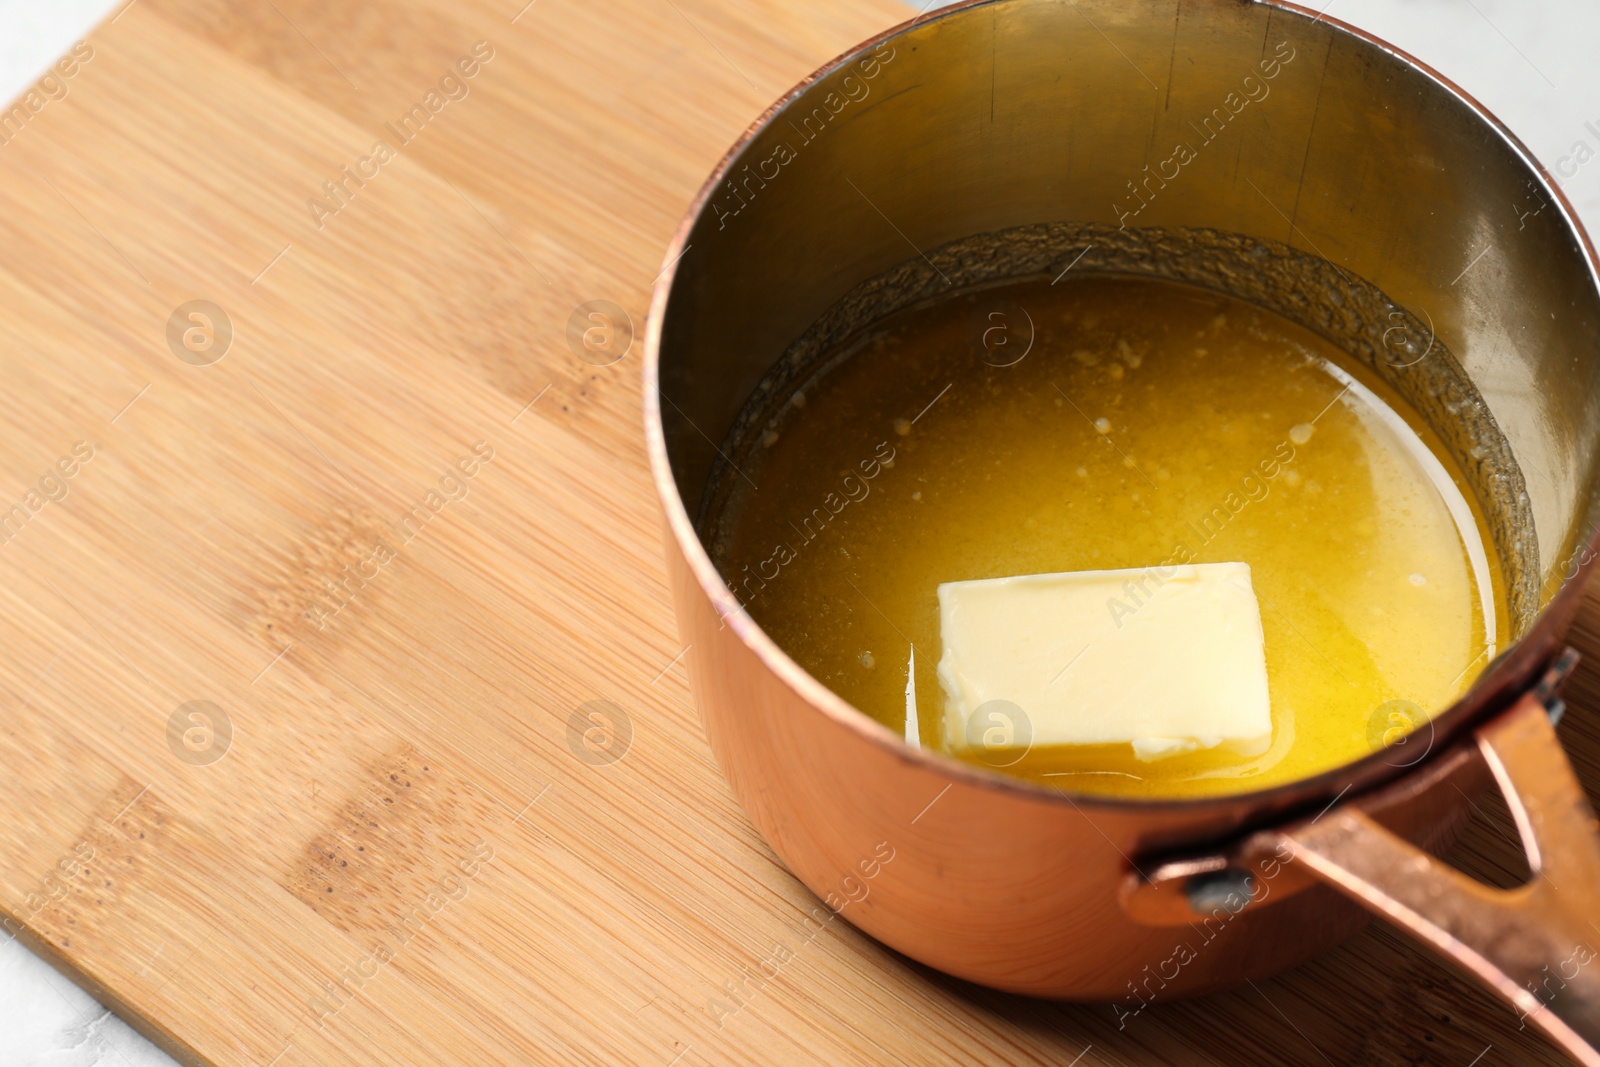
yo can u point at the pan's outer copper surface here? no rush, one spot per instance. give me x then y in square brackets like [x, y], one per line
[1010, 112]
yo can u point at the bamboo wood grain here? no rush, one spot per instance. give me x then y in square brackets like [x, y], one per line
[400, 859]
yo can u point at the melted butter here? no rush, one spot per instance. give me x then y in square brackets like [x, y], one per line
[1147, 423]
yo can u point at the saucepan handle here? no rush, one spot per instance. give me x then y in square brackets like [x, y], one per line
[1534, 945]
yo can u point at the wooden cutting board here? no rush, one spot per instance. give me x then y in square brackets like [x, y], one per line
[304, 585]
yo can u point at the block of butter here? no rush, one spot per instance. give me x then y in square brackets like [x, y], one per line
[1165, 659]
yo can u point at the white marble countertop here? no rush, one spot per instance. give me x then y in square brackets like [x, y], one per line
[1532, 62]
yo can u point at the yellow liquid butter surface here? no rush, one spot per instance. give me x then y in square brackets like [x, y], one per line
[1108, 423]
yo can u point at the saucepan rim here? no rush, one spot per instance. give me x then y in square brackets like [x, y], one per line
[1512, 671]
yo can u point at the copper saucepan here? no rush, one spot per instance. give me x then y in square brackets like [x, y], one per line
[1362, 186]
